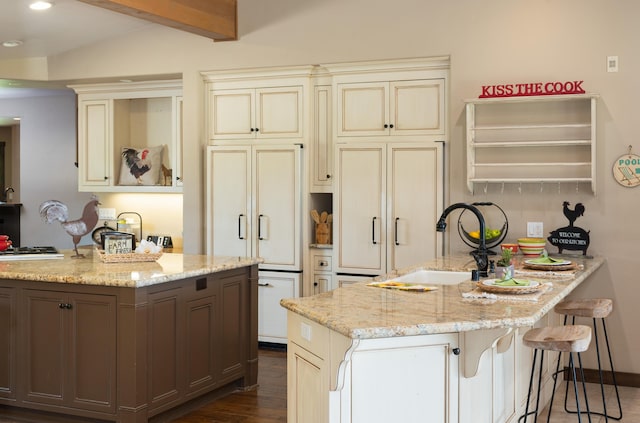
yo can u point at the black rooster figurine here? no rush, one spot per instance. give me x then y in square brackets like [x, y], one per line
[52, 210]
[572, 215]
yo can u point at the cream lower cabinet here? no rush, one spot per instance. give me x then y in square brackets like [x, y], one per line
[468, 377]
[388, 198]
[335, 379]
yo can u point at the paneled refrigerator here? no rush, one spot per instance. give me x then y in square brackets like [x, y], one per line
[254, 209]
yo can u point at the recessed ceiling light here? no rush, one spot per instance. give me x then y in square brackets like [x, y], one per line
[12, 43]
[40, 5]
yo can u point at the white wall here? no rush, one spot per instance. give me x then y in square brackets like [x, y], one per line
[491, 41]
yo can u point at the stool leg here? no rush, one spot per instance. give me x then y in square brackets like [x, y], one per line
[613, 372]
[600, 373]
[555, 381]
[533, 372]
[584, 388]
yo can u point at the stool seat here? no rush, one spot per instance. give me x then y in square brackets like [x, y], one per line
[569, 338]
[591, 307]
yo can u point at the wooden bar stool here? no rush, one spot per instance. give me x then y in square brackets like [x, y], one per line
[568, 338]
[597, 308]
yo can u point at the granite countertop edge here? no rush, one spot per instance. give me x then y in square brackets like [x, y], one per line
[92, 271]
[358, 321]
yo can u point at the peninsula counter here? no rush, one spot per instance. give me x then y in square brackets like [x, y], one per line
[124, 342]
[365, 354]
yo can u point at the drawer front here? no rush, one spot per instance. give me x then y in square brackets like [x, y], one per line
[321, 263]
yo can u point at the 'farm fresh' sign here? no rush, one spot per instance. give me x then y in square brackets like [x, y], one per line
[532, 88]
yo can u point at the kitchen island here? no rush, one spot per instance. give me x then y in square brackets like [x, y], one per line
[126, 341]
[366, 354]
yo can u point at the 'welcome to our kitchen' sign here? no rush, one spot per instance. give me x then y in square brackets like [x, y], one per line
[532, 88]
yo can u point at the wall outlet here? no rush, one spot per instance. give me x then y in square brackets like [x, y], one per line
[535, 229]
[106, 213]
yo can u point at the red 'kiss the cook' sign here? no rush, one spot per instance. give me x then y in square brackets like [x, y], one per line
[533, 88]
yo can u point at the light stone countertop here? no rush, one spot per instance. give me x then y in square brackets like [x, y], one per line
[92, 271]
[360, 312]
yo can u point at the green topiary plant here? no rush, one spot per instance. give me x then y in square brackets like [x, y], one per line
[505, 260]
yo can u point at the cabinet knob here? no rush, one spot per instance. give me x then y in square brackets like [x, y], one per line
[106, 177]
[456, 351]
[328, 176]
[251, 129]
[386, 126]
[391, 126]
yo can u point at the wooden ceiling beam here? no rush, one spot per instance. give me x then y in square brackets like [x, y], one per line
[216, 19]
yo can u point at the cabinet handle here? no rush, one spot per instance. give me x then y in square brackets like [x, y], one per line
[178, 178]
[265, 284]
[322, 263]
[64, 306]
[373, 230]
[456, 351]
[396, 235]
[260, 226]
[240, 216]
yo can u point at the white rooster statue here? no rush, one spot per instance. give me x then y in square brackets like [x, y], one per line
[52, 210]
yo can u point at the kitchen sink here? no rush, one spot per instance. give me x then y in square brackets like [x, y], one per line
[436, 277]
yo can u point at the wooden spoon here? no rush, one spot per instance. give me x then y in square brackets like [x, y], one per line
[315, 216]
[323, 217]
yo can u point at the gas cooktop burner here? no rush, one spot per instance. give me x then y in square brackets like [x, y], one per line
[29, 250]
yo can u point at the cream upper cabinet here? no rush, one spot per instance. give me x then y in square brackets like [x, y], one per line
[321, 179]
[129, 137]
[256, 113]
[414, 107]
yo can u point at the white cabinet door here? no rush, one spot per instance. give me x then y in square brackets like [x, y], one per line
[266, 113]
[389, 197]
[232, 114]
[308, 377]
[414, 201]
[417, 107]
[94, 147]
[413, 107]
[362, 109]
[421, 386]
[272, 318]
[322, 141]
[229, 229]
[254, 204]
[277, 206]
[360, 214]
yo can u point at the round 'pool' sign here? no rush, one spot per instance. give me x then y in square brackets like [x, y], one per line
[626, 170]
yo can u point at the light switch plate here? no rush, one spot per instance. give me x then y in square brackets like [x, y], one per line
[105, 213]
[535, 229]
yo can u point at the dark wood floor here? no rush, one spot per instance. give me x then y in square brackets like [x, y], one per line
[267, 404]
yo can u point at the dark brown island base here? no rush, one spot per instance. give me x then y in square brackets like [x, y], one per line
[83, 340]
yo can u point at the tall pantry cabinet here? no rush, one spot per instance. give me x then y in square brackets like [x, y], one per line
[256, 128]
[389, 128]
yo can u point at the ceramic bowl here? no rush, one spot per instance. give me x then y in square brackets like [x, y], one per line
[532, 246]
[512, 247]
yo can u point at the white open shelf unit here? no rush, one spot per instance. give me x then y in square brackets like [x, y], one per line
[541, 139]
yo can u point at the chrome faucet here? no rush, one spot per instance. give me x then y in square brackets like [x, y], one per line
[480, 255]
[6, 193]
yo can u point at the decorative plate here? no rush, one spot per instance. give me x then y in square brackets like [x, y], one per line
[550, 266]
[555, 262]
[488, 285]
